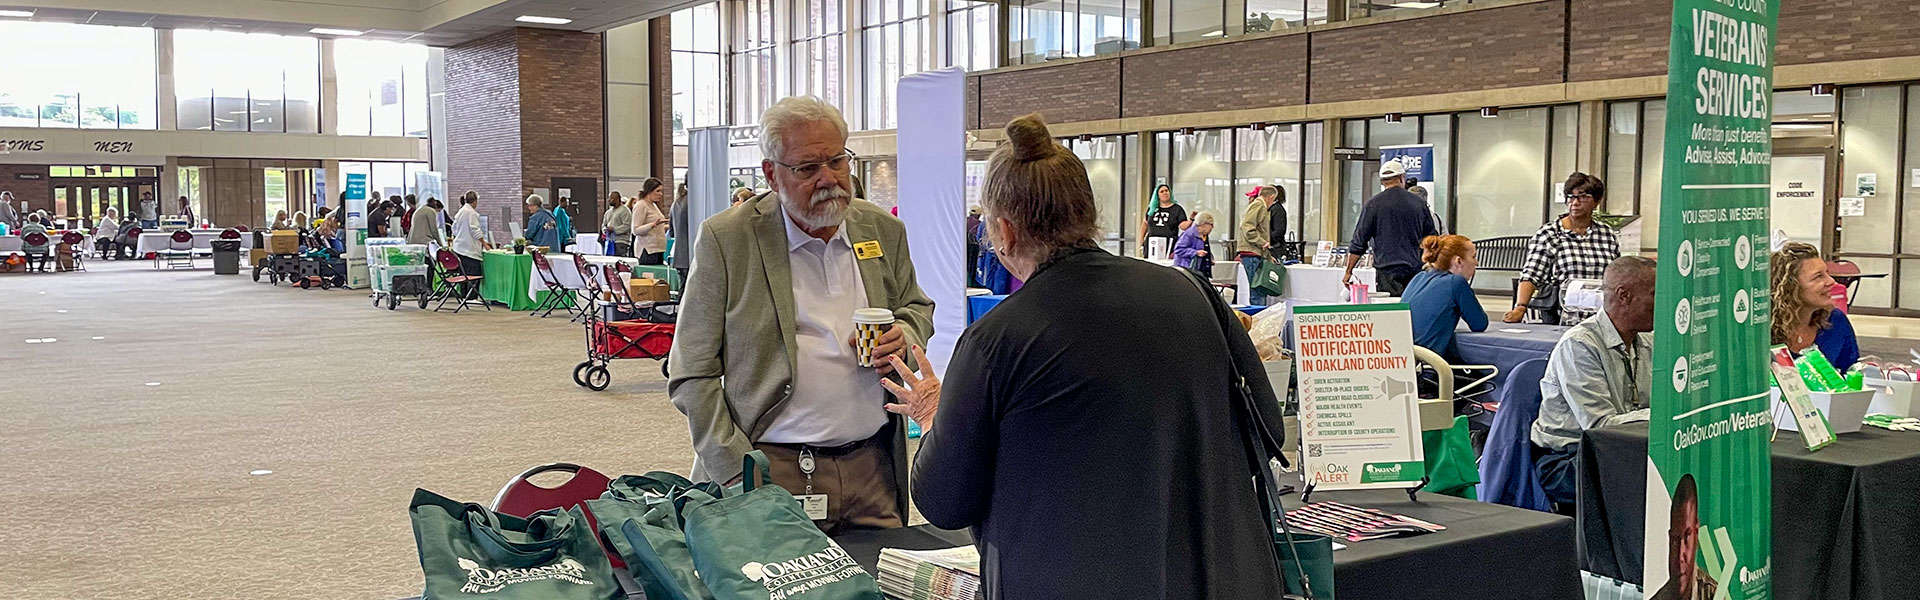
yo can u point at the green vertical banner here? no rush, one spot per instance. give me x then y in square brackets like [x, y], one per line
[1709, 518]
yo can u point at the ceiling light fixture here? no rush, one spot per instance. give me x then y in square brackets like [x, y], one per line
[1823, 89]
[543, 20]
[1414, 4]
[1490, 112]
[332, 31]
[1393, 117]
[16, 13]
[1186, 131]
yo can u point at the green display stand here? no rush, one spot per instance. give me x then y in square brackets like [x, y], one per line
[507, 276]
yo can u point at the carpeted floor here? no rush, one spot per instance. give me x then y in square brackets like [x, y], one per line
[121, 488]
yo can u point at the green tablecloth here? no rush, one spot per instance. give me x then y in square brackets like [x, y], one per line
[506, 279]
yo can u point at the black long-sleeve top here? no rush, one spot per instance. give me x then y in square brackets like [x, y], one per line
[1393, 222]
[1086, 434]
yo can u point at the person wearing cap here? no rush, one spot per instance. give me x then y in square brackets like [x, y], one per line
[1263, 230]
[1413, 185]
[1391, 225]
[764, 352]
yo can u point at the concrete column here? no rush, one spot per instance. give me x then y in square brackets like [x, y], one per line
[329, 90]
[1592, 154]
[163, 87]
[1331, 136]
[437, 110]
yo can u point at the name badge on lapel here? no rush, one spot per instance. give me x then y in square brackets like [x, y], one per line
[869, 249]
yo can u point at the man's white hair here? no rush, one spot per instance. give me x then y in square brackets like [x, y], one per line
[792, 112]
[536, 200]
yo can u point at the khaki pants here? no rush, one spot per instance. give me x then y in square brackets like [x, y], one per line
[857, 479]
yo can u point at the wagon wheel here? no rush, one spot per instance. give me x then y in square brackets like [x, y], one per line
[579, 373]
[598, 377]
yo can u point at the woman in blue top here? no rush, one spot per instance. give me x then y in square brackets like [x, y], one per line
[1804, 315]
[1190, 252]
[1442, 293]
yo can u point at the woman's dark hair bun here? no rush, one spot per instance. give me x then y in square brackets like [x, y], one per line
[1031, 140]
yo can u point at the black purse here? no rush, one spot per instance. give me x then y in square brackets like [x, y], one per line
[1305, 560]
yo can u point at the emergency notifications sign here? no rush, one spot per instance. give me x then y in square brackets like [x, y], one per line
[1359, 410]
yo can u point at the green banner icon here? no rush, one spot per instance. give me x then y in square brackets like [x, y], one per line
[1711, 410]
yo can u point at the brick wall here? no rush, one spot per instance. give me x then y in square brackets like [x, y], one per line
[1611, 39]
[483, 123]
[1263, 72]
[562, 109]
[1831, 30]
[971, 114]
[37, 193]
[1081, 91]
[1478, 50]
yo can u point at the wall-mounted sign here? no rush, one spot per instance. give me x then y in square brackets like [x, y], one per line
[112, 146]
[30, 176]
[1416, 158]
[1345, 153]
[24, 145]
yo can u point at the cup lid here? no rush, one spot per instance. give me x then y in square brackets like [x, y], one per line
[873, 316]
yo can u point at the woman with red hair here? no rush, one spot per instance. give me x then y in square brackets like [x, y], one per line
[1442, 293]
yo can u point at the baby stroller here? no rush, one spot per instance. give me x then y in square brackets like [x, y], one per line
[620, 328]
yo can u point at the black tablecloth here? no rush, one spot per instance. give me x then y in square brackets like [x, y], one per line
[1488, 552]
[1846, 519]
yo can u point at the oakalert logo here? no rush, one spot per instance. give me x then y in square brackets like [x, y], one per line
[486, 581]
[793, 577]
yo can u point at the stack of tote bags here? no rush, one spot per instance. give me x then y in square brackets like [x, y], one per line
[680, 541]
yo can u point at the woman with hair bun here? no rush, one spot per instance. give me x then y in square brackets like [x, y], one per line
[1441, 294]
[1049, 441]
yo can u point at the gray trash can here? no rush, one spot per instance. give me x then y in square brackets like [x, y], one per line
[226, 257]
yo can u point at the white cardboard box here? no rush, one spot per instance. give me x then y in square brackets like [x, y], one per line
[1845, 411]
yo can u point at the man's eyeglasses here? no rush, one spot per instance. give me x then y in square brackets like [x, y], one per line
[810, 170]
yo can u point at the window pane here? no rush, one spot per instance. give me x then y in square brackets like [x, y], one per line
[1566, 143]
[1438, 130]
[1201, 181]
[1654, 133]
[1308, 202]
[250, 90]
[1263, 158]
[79, 75]
[1869, 142]
[1502, 173]
[1198, 20]
[1910, 244]
[1623, 144]
[382, 88]
[1106, 173]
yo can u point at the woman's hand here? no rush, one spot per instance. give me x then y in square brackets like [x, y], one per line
[920, 398]
[1514, 316]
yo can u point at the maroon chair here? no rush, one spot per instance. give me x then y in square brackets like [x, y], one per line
[556, 294]
[467, 287]
[74, 239]
[179, 251]
[521, 497]
[36, 256]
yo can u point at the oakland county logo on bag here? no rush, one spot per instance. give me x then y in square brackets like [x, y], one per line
[486, 581]
[790, 578]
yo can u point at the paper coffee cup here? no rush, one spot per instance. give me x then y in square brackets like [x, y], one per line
[868, 325]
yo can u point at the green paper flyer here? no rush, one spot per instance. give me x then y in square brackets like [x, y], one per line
[1709, 535]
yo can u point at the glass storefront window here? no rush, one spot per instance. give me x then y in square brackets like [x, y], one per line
[1367, 8]
[1501, 176]
[273, 87]
[754, 83]
[382, 88]
[891, 48]
[1106, 158]
[1623, 151]
[972, 33]
[818, 30]
[695, 38]
[87, 76]
[1274, 15]
[1049, 29]
[1869, 151]
[1176, 21]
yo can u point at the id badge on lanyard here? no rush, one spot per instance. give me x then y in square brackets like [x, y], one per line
[815, 505]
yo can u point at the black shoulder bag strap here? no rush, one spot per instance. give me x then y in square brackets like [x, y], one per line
[1261, 442]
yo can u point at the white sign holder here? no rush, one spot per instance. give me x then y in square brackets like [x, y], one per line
[1359, 398]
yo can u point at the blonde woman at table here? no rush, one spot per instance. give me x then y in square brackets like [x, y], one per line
[1804, 314]
[649, 223]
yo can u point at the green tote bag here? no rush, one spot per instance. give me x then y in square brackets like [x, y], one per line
[1270, 278]
[639, 522]
[469, 552]
[759, 545]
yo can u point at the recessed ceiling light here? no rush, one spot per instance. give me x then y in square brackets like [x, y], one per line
[1414, 4]
[332, 31]
[543, 20]
[16, 13]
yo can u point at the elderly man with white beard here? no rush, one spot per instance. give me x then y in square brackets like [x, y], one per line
[764, 354]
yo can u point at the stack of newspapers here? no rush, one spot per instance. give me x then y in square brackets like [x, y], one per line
[950, 574]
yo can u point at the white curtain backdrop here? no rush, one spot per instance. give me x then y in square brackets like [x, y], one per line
[932, 171]
[706, 183]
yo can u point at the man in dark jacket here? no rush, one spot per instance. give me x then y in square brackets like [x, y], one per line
[1392, 224]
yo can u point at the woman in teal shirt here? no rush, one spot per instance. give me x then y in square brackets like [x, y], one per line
[1441, 294]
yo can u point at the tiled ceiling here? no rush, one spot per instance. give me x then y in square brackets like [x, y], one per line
[587, 15]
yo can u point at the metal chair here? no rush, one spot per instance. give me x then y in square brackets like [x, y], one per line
[36, 256]
[179, 251]
[73, 240]
[457, 282]
[557, 294]
[589, 279]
